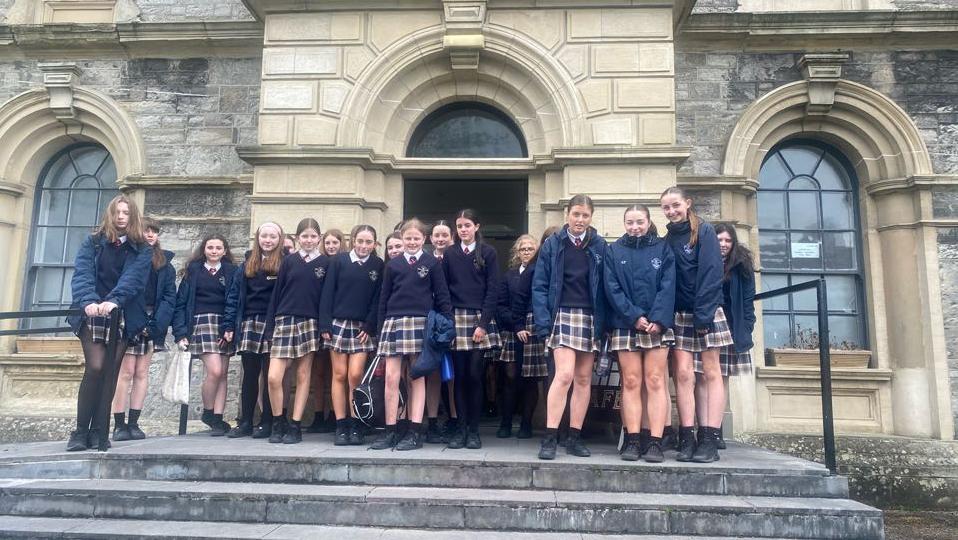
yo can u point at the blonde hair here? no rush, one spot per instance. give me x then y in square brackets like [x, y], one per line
[413, 223]
[269, 264]
[514, 260]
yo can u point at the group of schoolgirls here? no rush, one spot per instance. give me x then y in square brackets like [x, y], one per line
[678, 304]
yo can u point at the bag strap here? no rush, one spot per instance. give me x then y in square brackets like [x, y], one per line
[368, 376]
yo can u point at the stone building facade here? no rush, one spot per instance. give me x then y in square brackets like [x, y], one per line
[221, 114]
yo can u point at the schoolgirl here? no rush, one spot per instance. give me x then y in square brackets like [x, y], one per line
[472, 274]
[160, 299]
[413, 285]
[700, 324]
[292, 326]
[323, 421]
[198, 322]
[441, 239]
[289, 244]
[347, 321]
[394, 245]
[522, 361]
[111, 269]
[569, 306]
[246, 306]
[738, 293]
[640, 289]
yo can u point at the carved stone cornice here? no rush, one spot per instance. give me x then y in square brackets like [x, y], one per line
[463, 20]
[822, 71]
[59, 78]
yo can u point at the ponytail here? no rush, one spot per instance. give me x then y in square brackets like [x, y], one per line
[694, 220]
[653, 231]
[472, 216]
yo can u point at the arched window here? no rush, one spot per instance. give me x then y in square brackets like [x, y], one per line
[809, 227]
[73, 191]
[467, 130]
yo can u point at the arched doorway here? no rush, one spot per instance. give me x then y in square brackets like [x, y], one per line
[469, 130]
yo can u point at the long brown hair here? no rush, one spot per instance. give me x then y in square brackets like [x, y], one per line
[471, 215]
[648, 216]
[694, 219]
[159, 258]
[308, 223]
[335, 233]
[514, 260]
[199, 254]
[738, 255]
[134, 226]
[270, 263]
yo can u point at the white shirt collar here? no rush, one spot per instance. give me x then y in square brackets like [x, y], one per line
[417, 255]
[353, 257]
[522, 268]
[573, 236]
[122, 239]
[215, 268]
[471, 247]
[308, 255]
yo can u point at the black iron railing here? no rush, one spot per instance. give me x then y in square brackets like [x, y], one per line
[824, 358]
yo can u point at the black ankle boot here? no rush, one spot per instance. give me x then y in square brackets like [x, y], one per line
[78, 441]
[654, 452]
[630, 450]
[278, 430]
[669, 440]
[505, 430]
[644, 437]
[720, 442]
[458, 439]
[707, 452]
[686, 444]
[547, 448]
[342, 432]
[244, 429]
[574, 445]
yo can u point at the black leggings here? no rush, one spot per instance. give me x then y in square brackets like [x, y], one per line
[516, 388]
[470, 368]
[95, 397]
[253, 365]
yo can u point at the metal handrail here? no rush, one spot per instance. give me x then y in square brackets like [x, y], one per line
[6, 315]
[824, 358]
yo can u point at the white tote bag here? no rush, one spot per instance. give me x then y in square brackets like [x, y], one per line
[176, 383]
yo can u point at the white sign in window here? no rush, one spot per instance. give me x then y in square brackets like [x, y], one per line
[806, 250]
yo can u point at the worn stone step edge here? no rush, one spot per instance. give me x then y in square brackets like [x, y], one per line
[85, 528]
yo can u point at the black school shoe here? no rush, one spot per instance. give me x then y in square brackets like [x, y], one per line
[357, 435]
[220, 429]
[293, 435]
[505, 431]
[122, 433]
[412, 441]
[78, 441]
[458, 440]
[654, 453]
[686, 444]
[720, 442]
[630, 450]
[575, 447]
[433, 435]
[342, 435]
[473, 442]
[244, 429]
[387, 439]
[136, 433]
[93, 440]
[669, 440]
[548, 446]
[207, 418]
[707, 451]
[263, 430]
[525, 431]
[450, 429]
[278, 431]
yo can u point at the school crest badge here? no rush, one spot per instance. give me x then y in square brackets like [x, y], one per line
[320, 273]
[656, 263]
[222, 280]
[422, 271]
[373, 275]
[687, 249]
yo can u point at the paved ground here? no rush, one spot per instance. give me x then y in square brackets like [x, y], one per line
[905, 525]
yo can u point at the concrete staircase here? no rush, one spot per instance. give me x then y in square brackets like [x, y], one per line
[199, 487]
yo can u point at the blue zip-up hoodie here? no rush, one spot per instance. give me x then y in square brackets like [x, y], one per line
[236, 298]
[698, 272]
[186, 298]
[128, 293]
[640, 281]
[547, 281]
[159, 325]
[739, 306]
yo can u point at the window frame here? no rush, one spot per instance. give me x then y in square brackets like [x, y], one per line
[431, 120]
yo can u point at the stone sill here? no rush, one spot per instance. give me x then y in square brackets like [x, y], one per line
[41, 359]
[846, 374]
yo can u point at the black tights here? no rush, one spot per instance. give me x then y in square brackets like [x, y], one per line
[95, 397]
[470, 369]
[253, 365]
[515, 388]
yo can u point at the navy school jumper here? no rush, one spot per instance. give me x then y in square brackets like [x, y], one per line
[413, 290]
[298, 290]
[351, 292]
[472, 287]
[238, 299]
[186, 296]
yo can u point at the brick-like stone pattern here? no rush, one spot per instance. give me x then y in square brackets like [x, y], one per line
[713, 88]
[715, 6]
[948, 272]
[205, 10]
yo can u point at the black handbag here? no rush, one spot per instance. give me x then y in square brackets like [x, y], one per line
[369, 398]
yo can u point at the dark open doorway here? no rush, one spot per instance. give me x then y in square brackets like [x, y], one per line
[501, 205]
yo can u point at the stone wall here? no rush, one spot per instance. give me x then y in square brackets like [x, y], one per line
[945, 206]
[180, 10]
[921, 5]
[715, 6]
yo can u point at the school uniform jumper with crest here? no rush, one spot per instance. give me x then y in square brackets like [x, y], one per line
[472, 274]
[350, 302]
[413, 285]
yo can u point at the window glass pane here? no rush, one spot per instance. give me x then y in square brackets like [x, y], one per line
[67, 296]
[47, 287]
[806, 331]
[801, 159]
[840, 251]
[772, 250]
[53, 207]
[49, 247]
[770, 282]
[777, 332]
[803, 182]
[773, 175]
[60, 174]
[806, 250]
[771, 210]
[842, 294]
[831, 174]
[837, 210]
[467, 130]
[88, 159]
[804, 300]
[844, 332]
[86, 182]
[803, 211]
[83, 210]
[75, 237]
[107, 174]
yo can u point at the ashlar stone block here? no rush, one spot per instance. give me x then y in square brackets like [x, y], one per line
[387, 27]
[316, 130]
[656, 129]
[631, 58]
[596, 94]
[336, 27]
[274, 129]
[544, 26]
[645, 94]
[619, 130]
[619, 24]
[289, 95]
[301, 61]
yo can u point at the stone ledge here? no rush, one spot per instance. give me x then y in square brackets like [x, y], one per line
[849, 374]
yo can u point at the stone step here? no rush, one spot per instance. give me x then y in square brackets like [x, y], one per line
[80, 528]
[443, 508]
[743, 470]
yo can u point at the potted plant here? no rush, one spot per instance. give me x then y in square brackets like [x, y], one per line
[802, 351]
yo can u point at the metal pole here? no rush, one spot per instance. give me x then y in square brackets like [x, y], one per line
[826, 377]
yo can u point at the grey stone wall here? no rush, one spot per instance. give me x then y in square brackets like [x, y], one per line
[945, 205]
[713, 88]
[923, 5]
[192, 10]
[715, 6]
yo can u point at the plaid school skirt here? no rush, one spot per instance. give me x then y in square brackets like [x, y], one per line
[573, 329]
[466, 322]
[345, 338]
[686, 339]
[100, 329]
[731, 362]
[402, 335]
[533, 352]
[631, 340]
[295, 337]
[141, 345]
[206, 335]
[251, 335]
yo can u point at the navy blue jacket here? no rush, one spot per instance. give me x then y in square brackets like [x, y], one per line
[698, 272]
[440, 331]
[469, 286]
[508, 289]
[739, 307]
[352, 292]
[159, 325]
[640, 281]
[547, 282]
[186, 297]
[128, 292]
[236, 299]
